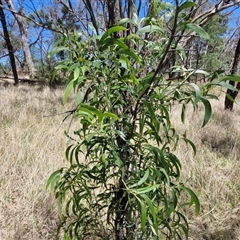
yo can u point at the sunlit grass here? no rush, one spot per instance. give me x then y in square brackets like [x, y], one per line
[32, 147]
[214, 173]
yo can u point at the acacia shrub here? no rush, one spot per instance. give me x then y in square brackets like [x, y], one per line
[127, 186]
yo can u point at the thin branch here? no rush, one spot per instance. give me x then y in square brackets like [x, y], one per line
[32, 20]
[35, 10]
[207, 15]
[38, 38]
[5, 55]
[69, 112]
[166, 52]
[232, 35]
[162, 61]
[139, 7]
[212, 11]
[70, 10]
[88, 5]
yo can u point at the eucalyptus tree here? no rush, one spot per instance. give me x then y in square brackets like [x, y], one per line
[9, 44]
[232, 93]
[19, 16]
[60, 17]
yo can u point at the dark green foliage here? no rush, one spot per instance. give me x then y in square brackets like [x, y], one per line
[123, 179]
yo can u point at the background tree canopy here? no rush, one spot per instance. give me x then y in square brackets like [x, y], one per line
[35, 26]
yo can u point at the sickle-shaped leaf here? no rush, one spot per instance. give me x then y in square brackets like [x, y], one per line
[231, 77]
[227, 86]
[58, 49]
[146, 189]
[129, 53]
[88, 109]
[67, 91]
[126, 20]
[53, 180]
[143, 213]
[187, 5]
[199, 30]
[142, 180]
[208, 110]
[150, 28]
[111, 31]
[197, 93]
[111, 42]
[194, 199]
[110, 115]
[153, 116]
[183, 113]
[151, 211]
[191, 144]
[199, 71]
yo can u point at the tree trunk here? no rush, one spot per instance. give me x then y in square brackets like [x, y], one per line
[114, 13]
[24, 38]
[88, 5]
[9, 44]
[233, 94]
[121, 227]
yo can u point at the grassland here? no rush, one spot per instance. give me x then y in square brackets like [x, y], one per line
[32, 146]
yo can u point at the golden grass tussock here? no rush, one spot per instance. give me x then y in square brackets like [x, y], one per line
[32, 147]
[214, 173]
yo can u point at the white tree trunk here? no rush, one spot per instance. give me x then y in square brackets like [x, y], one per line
[24, 37]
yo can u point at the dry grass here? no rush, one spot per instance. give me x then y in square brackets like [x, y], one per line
[214, 173]
[33, 146]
